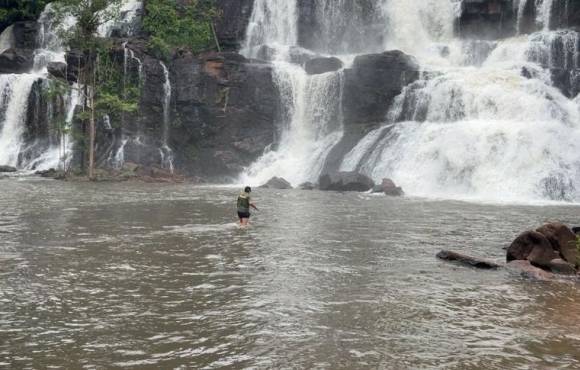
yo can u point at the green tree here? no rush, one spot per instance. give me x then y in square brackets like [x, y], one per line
[98, 75]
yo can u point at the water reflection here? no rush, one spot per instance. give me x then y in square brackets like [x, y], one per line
[160, 276]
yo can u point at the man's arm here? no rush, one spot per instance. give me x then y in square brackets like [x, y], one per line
[253, 206]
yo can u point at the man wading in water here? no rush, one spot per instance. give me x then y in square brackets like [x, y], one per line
[244, 204]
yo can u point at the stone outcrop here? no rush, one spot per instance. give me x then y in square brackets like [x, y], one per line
[486, 19]
[467, 260]
[322, 65]
[25, 34]
[16, 60]
[372, 84]
[551, 247]
[345, 181]
[388, 187]
[57, 70]
[4, 169]
[527, 270]
[277, 183]
[232, 22]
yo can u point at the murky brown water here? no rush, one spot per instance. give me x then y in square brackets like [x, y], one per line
[158, 276]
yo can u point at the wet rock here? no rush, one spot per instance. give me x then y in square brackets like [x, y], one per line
[372, 84]
[57, 69]
[576, 230]
[345, 181]
[526, 269]
[388, 187]
[51, 173]
[232, 23]
[277, 183]
[559, 266]
[26, 34]
[4, 169]
[467, 260]
[486, 19]
[532, 246]
[16, 60]
[322, 65]
[562, 239]
[307, 186]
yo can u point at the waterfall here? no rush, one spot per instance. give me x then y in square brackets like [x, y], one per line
[127, 23]
[165, 151]
[496, 130]
[7, 39]
[15, 90]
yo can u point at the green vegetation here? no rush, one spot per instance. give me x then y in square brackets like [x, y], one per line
[104, 90]
[171, 26]
[18, 10]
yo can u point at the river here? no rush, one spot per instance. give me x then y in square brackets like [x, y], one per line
[145, 276]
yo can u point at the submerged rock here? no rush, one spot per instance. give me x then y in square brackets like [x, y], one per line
[307, 186]
[467, 260]
[277, 183]
[526, 269]
[345, 181]
[7, 169]
[559, 266]
[388, 187]
[322, 65]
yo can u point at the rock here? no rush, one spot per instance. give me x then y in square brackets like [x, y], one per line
[467, 260]
[232, 23]
[26, 34]
[486, 19]
[75, 61]
[531, 246]
[322, 65]
[562, 239]
[58, 70]
[277, 183]
[526, 269]
[7, 169]
[307, 186]
[388, 187]
[16, 60]
[372, 84]
[559, 266]
[51, 173]
[345, 181]
[576, 230]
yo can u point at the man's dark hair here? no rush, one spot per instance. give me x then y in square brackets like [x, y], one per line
[248, 189]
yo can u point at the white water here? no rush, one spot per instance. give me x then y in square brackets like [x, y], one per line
[482, 132]
[165, 151]
[6, 39]
[126, 20]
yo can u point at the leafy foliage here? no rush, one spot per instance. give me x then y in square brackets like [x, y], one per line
[18, 10]
[171, 25]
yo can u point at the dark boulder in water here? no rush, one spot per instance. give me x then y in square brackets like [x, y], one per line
[277, 183]
[559, 266]
[16, 60]
[345, 181]
[562, 239]
[531, 246]
[307, 186]
[322, 65]
[388, 187]
[7, 169]
[467, 260]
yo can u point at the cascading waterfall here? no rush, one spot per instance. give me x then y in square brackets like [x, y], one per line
[165, 150]
[6, 39]
[312, 117]
[482, 132]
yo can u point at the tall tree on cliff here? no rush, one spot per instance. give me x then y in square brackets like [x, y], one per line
[91, 53]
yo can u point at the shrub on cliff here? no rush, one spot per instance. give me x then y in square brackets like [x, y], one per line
[173, 24]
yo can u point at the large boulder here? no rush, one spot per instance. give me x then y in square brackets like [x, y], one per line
[372, 84]
[562, 239]
[345, 181]
[467, 260]
[26, 34]
[559, 266]
[322, 65]
[7, 169]
[531, 246]
[277, 183]
[16, 60]
[57, 69]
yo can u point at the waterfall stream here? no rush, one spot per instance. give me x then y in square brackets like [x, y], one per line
[484, 122]
[165, 151]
